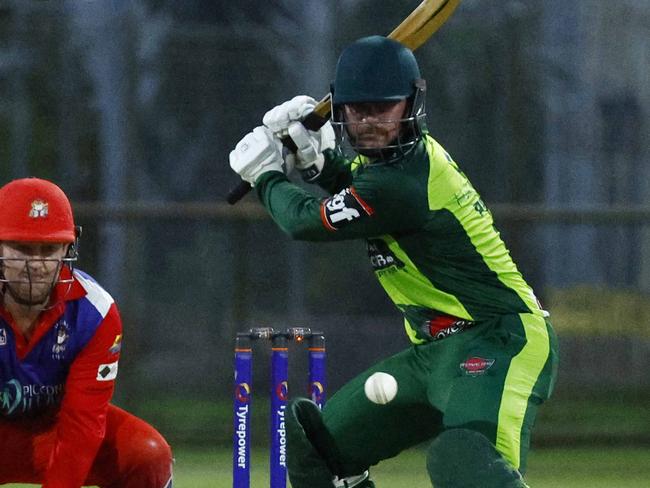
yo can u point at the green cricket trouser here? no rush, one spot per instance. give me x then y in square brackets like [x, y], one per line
[490, 379]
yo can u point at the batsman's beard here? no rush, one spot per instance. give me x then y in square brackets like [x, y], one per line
[373, 139]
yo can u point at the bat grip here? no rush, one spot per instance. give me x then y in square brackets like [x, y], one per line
[238, 192]
[312, 122]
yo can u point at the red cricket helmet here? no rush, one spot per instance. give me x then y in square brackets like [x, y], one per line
[35, 210]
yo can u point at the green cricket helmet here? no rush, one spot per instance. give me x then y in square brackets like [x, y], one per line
[378, 69]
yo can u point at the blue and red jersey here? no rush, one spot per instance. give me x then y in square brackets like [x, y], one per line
[67, 370]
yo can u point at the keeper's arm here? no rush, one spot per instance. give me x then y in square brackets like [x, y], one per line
[81, 424]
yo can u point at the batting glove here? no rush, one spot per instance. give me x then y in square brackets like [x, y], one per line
[281, 116]
[284, 120]
[257, 153]
[310, 159]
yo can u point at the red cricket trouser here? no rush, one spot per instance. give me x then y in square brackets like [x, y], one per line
[132, 455]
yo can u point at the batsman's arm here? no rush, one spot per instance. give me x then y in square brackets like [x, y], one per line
[81, 423]
[366, 208]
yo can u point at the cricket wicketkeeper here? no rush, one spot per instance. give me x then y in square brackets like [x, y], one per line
[484, 356]
[60, 341]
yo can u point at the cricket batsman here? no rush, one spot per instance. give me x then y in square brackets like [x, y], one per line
[483, 355]
[60, 341]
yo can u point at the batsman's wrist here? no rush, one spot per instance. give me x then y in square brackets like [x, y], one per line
[265, 178]
[266, 175]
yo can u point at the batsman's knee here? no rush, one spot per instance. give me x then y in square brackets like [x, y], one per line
[462, 458]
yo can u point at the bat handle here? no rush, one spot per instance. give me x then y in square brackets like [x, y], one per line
[313, 122]
[238, 192]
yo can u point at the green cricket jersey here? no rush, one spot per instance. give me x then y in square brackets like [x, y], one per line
[431, 239]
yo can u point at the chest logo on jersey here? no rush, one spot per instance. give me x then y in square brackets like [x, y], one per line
[10, 396]
[61, 341]
[343, 208]
[3, 337]
[381, 257]
[17, 397]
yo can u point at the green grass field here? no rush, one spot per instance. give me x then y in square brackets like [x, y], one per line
[548, 468]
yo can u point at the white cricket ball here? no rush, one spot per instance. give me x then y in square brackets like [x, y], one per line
[380, 388]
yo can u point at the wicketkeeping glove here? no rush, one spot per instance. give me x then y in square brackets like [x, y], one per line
[257, 153]
[284, 120]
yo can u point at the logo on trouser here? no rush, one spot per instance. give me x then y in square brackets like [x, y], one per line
[476, 366]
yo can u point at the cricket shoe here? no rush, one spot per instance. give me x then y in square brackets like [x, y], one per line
[361, 481]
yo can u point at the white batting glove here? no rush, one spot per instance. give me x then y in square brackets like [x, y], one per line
[257, 153]
[284, 120]
[279, 117]
[310, 144]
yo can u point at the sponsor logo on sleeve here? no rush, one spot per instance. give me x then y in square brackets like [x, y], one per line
[117, 345]
[343, 208]
[107, 372]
